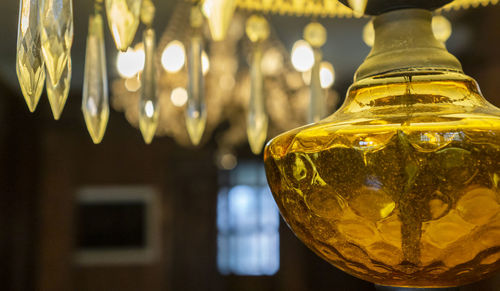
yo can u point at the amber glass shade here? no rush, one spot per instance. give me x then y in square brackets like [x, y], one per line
[400, 186]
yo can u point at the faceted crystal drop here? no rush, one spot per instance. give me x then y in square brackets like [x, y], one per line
[58, 94]
[257, 120]
[29, 62]
[317, 99]
[219, 14]
[195, 114]
[148, 105]
[358, 6]
[95, 105]
[123, 20]
[56, 24]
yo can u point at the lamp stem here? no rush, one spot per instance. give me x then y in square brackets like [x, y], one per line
[404, 41]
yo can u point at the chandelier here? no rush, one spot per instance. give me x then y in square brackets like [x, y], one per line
[391, 188]
[152, 78]
[44, 59]
[227, 84]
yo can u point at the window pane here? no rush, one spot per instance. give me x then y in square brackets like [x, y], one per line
[248, 224]
[269, 252]
[243, 209]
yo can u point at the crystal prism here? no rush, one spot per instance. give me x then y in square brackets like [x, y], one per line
[219, 14]
[317, 98]
[257, 120]
[95, 104]
[148, 104]
[29, 62]
[123, 20]
[58, 94]
[195, 114]
[56, 25]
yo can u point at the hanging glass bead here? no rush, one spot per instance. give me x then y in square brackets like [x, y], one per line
[317, 99]
[58, 94]
[315, 35]
[123, 20]
[257, 30]
[257, 119]
[95, 105]
[56, 25]
[195, 114]
[149, 106]
[219, 14]
[29, 61]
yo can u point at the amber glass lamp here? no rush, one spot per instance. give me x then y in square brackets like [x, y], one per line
[400, 186]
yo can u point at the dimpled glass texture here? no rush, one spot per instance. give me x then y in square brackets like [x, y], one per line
[400, 186]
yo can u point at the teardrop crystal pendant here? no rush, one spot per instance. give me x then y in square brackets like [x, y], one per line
[148, 105]
[316, 93]
[58, 94]
[29, 61]
[195, 112]
[95, 105]
[123, 20]
[257, 120]
[257, 30]
[219, 14]
[56, 25]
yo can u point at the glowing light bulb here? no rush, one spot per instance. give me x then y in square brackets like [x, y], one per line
[272, 62]
[441, 28]
[130, 63]
[302, 56]
[228, 161]
[205, 63]
[149, 109]
[179, 96]
[133, 84]
[326, 75]
[173, 57]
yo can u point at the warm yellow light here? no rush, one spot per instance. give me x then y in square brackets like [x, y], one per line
[130, 63]
[205, 63]
[441, 28]
[272, 62]
[302, 56]
[173, 57]
[133, 84]
[306, 77]
[326, 75]
[179, 96]
[228, 161]
[149, 109]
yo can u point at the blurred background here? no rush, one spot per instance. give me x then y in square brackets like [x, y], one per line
[124, 216]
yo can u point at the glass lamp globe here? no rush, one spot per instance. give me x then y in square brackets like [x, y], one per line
[400, 186]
